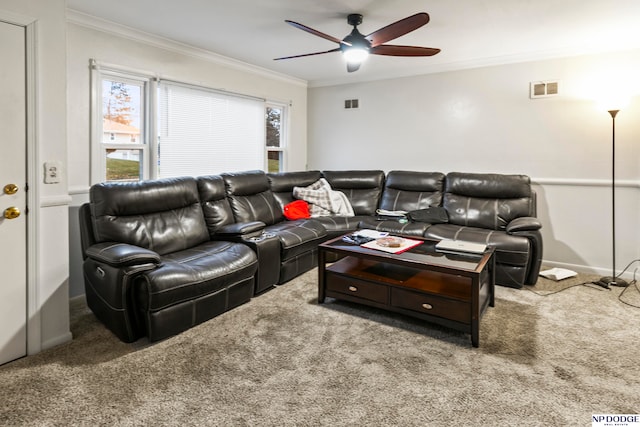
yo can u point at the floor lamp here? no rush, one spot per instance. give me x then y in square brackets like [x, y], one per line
[612, 280]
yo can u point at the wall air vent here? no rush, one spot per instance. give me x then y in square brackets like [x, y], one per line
[543, 89]
[351, 103]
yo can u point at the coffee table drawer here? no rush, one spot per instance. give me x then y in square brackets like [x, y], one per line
[432, 305]
[357, 288]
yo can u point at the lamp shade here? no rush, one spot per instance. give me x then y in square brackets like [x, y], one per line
[614, 94]
[613, 101]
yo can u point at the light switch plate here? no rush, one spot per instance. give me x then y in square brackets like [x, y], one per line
[52, 172]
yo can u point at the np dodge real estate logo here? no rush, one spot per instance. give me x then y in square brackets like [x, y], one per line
[615, 420]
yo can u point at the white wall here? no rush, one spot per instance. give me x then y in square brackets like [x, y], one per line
[48, 306]
[482, 120]
[137, 51]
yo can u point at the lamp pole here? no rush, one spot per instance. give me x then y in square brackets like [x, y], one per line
[613, 280]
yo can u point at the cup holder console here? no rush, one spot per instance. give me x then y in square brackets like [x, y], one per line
[267, 247]
[261, 237]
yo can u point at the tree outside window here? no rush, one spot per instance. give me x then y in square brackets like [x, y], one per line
[274, 118]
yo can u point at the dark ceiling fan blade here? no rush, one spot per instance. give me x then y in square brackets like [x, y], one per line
[316, 32]
[308, 54]
[397, 50]
[351, 67]
[397, 29]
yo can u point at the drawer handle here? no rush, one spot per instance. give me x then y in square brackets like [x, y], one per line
[353, 289]
[427, 306]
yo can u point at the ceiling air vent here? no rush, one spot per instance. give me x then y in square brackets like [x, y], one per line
[543, 89]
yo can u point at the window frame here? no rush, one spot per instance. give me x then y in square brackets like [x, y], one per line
[284, 133]
[146, 145]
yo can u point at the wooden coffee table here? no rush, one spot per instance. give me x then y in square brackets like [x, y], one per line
[450, 289]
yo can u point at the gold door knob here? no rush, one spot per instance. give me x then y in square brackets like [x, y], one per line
[12, 212]
[10, 189]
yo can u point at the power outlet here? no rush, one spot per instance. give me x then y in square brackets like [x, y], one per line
[52, 172]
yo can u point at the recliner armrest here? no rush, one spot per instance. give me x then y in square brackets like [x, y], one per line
[122, 254]
[525, 223]
[240, 229]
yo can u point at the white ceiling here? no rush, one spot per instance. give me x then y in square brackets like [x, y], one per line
[469, 32]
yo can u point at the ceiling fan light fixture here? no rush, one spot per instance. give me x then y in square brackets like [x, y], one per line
[355, 55]
[356, 47]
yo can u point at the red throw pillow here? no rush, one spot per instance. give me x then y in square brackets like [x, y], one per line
[297, 209]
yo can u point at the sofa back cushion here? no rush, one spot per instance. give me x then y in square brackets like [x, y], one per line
[215, 206]
[162, 215]
[282, 184]
[250, 197]
[408, 191]
[487, 200]
[362, 188]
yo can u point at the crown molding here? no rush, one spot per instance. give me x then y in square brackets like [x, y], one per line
[434, 68]
[92, 22]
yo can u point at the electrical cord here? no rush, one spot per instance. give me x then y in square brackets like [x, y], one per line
[634, 282]
[586, 284]
[627, 267]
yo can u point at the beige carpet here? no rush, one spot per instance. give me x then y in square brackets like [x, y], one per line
[284, 360]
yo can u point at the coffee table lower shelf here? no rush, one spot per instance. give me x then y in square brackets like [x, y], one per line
[447, 299]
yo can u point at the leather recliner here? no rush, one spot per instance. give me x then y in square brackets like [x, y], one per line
[407, 191]
[497, 210]
[150, 266]
[163, 255]
[251, 199]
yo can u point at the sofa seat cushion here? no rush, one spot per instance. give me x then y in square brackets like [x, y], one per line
[416, 229]
[512, 250]
[339, 225]
[297, 237]
[195, 272]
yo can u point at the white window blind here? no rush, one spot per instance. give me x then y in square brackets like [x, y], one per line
[204, 132]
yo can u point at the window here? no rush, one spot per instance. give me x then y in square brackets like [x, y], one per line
[204, 132]
[146, 128]
[119, 132]
[275, 137]
[122, 109]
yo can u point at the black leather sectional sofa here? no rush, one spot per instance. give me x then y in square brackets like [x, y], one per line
[161, 256]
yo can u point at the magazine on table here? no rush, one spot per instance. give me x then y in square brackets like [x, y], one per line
[392, 244]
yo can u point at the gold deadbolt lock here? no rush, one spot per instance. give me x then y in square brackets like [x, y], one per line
[10, 189]
[11, 213]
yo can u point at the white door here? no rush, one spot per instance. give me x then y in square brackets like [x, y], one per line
[13, 198]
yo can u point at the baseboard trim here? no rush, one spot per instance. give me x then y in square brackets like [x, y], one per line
[57, 341]
[599, 271]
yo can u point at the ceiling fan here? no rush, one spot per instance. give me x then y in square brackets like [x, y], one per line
[356, 46]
